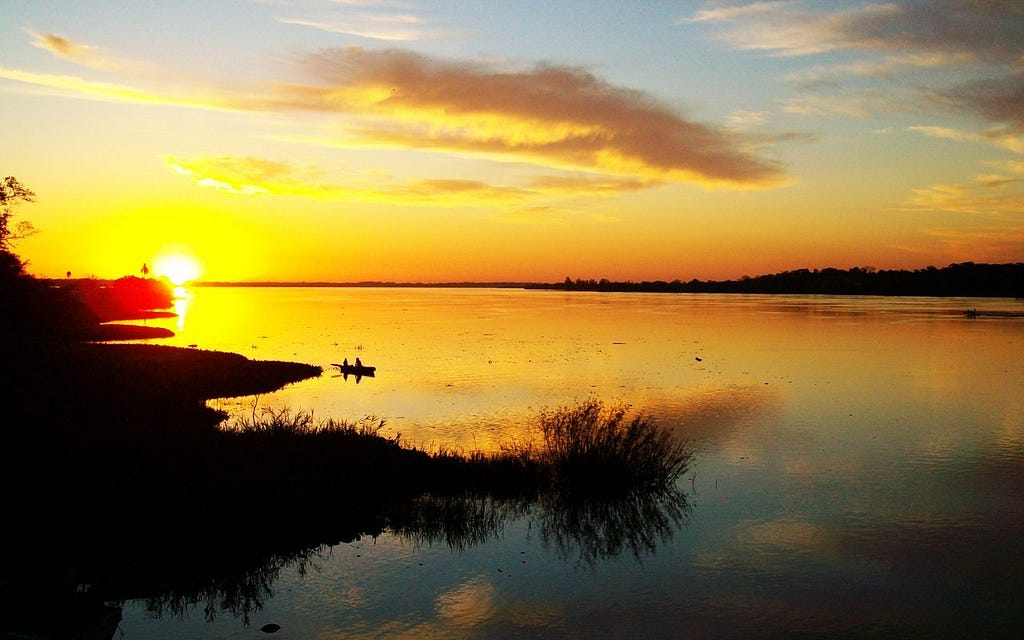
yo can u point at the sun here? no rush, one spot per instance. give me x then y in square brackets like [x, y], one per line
[179, 267]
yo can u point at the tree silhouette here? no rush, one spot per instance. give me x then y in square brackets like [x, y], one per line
[11, 193]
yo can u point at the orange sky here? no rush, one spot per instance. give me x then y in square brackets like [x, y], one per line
[320, 140]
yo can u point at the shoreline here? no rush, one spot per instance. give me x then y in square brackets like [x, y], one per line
[150, 385]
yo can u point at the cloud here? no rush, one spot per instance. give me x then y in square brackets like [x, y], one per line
[919, 49]
[1010, 138]
[556, 116]
[250, 176]
[980, 216]
[371, 19]
[392, 28]
[239, 176]
[998, 99]
[860, 104]
[997, 193]
[256, 176]
[81, 54]
[589, 185]
[993, 29]
[889, 67]
[72, 86]
[719, 14]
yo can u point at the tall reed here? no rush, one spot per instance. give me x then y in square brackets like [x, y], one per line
[593, 447]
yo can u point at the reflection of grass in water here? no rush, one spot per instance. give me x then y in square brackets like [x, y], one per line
[582, 528]
[599, 482]
[270, 491]
[238, 590]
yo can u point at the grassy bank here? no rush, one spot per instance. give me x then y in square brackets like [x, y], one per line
[116, 474]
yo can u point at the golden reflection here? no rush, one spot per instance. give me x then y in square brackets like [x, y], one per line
[792, 534]
[470, 368]
[181, 302]
[468, 604]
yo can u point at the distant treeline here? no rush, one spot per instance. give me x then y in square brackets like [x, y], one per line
[364, 284]
[962, 279]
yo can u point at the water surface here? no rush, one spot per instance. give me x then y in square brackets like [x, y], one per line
[858, 467]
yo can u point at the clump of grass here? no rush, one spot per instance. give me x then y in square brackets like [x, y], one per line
[591, 447]
[588, 449]
[282, 422]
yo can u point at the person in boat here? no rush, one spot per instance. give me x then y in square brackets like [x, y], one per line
[358, 362]
[344, 362]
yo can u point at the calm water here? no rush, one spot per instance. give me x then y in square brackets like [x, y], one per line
[858, 467]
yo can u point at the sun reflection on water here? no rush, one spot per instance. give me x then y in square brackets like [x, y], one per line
[181, 303]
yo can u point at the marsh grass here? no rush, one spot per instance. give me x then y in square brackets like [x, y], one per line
[586, 449]
[591, 447]
[283, 423]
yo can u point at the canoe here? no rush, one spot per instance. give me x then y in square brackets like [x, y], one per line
[357, 370]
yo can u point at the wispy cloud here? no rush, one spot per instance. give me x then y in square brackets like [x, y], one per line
[78, 53]
[1009, 138]
[998, 193]
[990, 28]
[257, 176]
[393, 28]
[888, 67]
[986, 210]
[251, 176]
[375, 20]
[589, 185]
[73, 86]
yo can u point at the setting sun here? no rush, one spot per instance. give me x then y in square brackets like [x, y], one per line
[178, 267]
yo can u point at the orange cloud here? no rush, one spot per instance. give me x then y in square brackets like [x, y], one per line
[1000, 192]
[589, 185]
[556, 116]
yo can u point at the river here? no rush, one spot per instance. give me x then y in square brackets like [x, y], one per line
[857, 470]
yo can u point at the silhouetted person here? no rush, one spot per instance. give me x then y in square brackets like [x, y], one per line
[358, 362]
[344, 362]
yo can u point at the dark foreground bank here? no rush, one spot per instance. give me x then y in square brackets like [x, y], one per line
[120, 484]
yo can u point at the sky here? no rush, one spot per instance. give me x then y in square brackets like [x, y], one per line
[422, 141]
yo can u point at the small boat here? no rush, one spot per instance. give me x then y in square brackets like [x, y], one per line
[355, 369]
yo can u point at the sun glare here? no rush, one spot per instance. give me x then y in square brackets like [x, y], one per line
[179, 268]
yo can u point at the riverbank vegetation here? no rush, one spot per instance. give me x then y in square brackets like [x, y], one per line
[965, 279]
